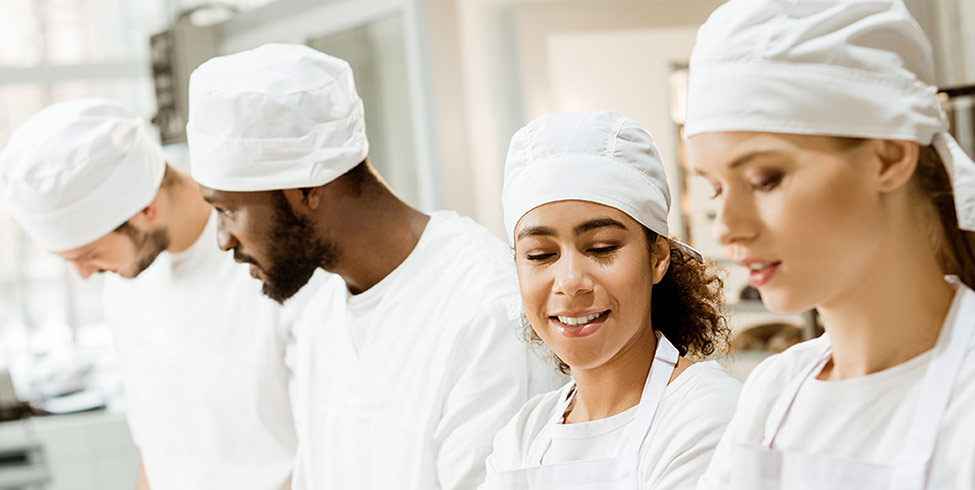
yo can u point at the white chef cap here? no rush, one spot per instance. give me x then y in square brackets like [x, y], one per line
[77, 170]
[601, 157]
[855, 68]
[280, 116]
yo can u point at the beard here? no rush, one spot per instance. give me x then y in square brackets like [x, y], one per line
[148, 245]
[295, 253]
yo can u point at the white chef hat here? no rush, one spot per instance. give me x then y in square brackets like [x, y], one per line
[279, 116]
[77, 170]
[601, 157]
[855, 68]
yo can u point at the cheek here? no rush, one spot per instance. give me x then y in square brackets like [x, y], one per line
[629, 285]
[534, 291]
[827, 226]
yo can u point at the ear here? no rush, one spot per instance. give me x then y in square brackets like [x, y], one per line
[659, 259]
[148, 217]
[303, 200]
[898, 160]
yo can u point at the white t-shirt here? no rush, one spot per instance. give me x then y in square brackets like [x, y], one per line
[404, 385]
[201, 352]
[697, 406]
[863, 418]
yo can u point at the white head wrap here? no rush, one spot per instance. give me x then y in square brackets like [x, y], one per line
[77, 170]
[601, 157]
[280, 116]
[856, 68]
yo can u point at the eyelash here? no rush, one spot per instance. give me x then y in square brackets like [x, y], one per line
[766, 184]
[595, 250]
[604, 250]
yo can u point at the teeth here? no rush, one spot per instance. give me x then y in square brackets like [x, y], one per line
[756, 266]
[579, 320]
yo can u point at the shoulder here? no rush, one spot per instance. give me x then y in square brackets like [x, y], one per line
[461, 240]
[701, 400]
[775, 372]
[513, 440]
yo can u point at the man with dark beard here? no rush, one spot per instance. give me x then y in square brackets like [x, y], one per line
[407, 368]
[203, 366]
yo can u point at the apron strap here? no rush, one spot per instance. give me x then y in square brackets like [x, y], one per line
[664, 362]
[543, 440]
[783, 404]
[661, 369]
[939, 379]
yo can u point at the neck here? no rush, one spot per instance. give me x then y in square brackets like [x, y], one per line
[188, 212]
[393, 232]
[616, 385]
[891, 314]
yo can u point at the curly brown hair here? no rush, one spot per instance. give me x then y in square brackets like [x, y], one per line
[686, 306]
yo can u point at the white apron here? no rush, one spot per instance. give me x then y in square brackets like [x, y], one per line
[619, 473]
[762, 467]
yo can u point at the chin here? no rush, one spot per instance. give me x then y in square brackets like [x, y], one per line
[583, 361]
[783, 303]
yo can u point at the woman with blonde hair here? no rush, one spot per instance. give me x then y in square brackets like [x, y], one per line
[818, 125]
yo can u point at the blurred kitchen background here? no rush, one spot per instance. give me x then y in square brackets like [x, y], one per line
[445, 84]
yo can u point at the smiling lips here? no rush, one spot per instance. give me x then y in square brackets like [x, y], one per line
[577, 325]
[760, 272]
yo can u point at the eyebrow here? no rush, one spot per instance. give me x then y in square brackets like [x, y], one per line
[84, 256]
[597, 223]
[536, 231]
[578, 230]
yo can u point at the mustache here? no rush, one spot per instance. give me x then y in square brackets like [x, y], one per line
[240, 257]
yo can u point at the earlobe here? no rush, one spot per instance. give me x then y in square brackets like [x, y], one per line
[660, 260]
[313, 197]
[305, 198]
[148, 215]
[898, 159]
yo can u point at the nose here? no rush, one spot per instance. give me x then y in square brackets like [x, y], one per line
[572, 277]
[735, 220]
[225, 239]
[83, 269]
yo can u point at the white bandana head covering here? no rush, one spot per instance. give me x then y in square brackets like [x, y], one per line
[855, 68]
[601, 157]
[77, 170]
[280, 116]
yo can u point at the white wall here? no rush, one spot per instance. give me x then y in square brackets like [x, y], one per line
[505, 69]
[950, 25]
[626, 71]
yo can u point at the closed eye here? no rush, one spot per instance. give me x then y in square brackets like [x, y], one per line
[539, 256]
[768, 183]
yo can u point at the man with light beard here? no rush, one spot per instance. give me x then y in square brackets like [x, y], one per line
[405, 370]
[201, 351]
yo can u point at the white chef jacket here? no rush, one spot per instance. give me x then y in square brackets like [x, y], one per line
[693, 414]
[201, 352]
[863, 419]
[404, 385]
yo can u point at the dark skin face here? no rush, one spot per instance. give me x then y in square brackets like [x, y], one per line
[263, 230]
[353, 226]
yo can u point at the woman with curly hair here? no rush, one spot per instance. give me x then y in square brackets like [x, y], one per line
[622, 307]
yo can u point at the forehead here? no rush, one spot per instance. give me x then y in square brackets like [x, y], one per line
[570, 214]
[728, 151]
[235, 199]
